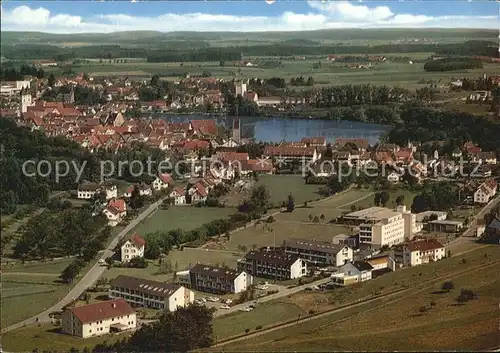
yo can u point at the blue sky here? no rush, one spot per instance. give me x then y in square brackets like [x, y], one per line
[253, 15]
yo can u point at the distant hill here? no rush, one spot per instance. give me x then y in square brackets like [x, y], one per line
[160, 39]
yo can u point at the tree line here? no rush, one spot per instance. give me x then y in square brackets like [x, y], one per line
[17, 74]
[453, 64]
[181, 53]
[423, 124]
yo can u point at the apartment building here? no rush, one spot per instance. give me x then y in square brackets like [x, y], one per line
[485, 192]
[419, 252]
[98, 319]
[211, 279]
[273, 265]
[87, 191]
[319, 252]
[151, 294]
[379, 226]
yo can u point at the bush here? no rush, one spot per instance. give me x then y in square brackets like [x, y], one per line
[270, 219]
[259, 327]
[247, 330]
[311, 312]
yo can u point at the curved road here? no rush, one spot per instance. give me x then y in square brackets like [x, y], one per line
[91, 276]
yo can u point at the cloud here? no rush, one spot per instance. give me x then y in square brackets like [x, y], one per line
[321, 15]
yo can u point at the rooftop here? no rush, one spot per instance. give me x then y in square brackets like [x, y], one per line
[213, 271]
[372, 213]
[306, 244]
[102, 310]
[146, 286]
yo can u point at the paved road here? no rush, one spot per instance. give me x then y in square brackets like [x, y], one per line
[90, 277]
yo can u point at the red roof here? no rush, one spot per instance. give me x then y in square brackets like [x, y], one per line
[288, 151]
[118, 204]
[424, 245]
[166, 178]
[206, 127]
[360, 143]
[137, 240]
[231, 156]
[102, 310]
[320, 140]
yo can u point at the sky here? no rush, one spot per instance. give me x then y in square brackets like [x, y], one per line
[245, 16]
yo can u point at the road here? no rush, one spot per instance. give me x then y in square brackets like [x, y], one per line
[90, 277]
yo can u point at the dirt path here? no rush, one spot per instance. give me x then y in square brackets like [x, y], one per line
[30, 274]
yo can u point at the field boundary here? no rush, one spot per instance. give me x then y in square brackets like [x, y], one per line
[288, 323]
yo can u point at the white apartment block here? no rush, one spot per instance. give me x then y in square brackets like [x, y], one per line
[379, 226]
[319, 252]
[98, 319]
[419, 252]
[273, 265]
[151, 294]
[211, 279]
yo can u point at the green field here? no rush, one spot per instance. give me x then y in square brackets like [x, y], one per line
[31, 288]
[357, 325]
[184, 217]
[389, 73]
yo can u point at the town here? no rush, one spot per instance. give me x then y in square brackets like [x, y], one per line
[134, 205]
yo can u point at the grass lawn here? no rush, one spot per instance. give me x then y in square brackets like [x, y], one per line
[37, 289]
[265, 314]
[179, 261]
[48, 336]
[393, 193]
[280, 186]
[345, 199]
[408, 277]
[258, 235]
[184, 217]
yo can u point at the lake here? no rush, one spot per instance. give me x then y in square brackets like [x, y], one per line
[286, 129]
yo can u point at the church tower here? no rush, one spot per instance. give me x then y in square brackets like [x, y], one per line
[26, 100]
[237, 130]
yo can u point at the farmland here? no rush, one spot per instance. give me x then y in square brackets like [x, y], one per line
[419, 329]
[30, 288]
[406, 75]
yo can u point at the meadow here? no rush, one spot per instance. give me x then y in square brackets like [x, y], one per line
[389, 73]
[184, 217]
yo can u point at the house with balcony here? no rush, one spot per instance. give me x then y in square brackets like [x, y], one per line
[272, 264]
[212, 279]
[150, 294]
[318, 252]
[419, 252]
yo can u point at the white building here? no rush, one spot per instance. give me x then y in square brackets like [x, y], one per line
[179, 196]
[419, 252]
[379, 226]
[351, 273]
[319, 252]
[163, 181]
[151, 294]
[273, 265]
[87, 191]
[99, 318]
[485, 192]
[144, 190]
[134, 247]
[393, 177]
[211, 279]
[240, 88]
[115, 211]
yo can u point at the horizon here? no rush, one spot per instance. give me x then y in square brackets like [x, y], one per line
[246, 16]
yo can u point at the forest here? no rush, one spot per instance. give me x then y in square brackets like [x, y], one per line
[453, 64]
[231, 53]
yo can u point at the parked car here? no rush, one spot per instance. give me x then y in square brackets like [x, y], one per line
[228, 301]
[247, 309]
[225, 306]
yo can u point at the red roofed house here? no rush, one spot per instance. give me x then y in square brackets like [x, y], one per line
[203, 127]
[162, 182]
[361, 144]
[199, 193]
[134, 247]
[115, 211]
[419, 252]
[98, 319]
[179, 196]
[314, 141]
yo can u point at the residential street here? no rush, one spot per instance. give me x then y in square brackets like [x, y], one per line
[90, 277]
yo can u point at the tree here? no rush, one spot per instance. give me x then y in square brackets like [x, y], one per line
[290, 204]
[384, 197]
[422, 309]
[310, 217]
[447, 286]
[91, 250]
[322, 217]
[461, 299]
[400, 200]
[136, 200]
[51, 80]
[153, 250]
[433, 304]
[72, 270]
